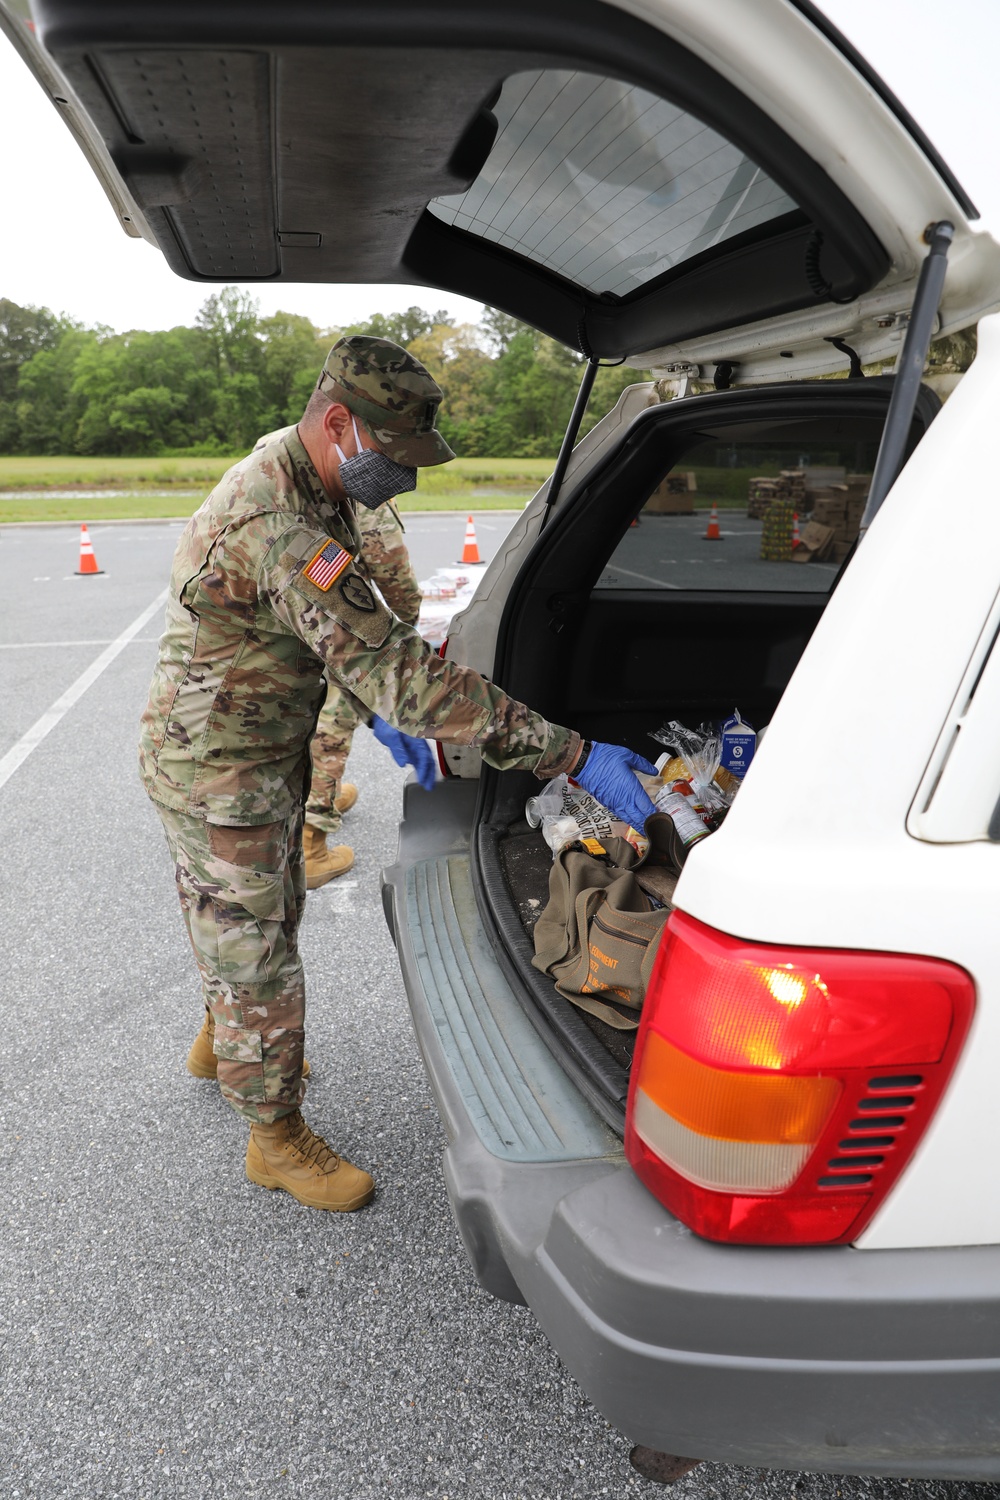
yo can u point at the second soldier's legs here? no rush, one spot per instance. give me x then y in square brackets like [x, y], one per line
[329, 749]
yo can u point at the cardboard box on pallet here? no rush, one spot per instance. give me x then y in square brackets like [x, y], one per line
[841, 506]
[816, 543]
[674, 496]
[858, 486]
[795, 487]
[829, 506]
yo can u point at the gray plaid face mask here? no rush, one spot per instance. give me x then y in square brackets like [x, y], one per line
[372, 478]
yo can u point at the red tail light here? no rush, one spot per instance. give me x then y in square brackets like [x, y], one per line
[777, 1093]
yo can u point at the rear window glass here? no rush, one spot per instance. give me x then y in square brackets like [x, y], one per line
[607, 185]
[727, 515]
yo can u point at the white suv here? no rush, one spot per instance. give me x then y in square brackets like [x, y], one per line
[764, 1232]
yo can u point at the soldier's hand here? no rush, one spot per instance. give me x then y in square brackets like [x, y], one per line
[609, 775]
[406, 751]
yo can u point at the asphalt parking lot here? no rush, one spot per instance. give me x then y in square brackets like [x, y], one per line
[167, 1329]
[671, 552]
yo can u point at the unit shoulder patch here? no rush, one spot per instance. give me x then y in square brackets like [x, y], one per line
[357, 593]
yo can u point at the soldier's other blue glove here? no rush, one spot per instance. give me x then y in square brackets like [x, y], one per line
[407, 751]
[609, 776]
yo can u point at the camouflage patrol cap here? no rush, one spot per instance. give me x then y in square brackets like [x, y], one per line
[392, 394]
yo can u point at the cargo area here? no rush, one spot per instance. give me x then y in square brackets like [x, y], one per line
[682, 583]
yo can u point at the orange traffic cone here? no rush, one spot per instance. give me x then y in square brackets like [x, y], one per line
[796, 539]
[713, 534]
[470, 552]
[88, 562]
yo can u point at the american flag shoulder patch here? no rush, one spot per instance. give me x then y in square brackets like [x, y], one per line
[328, 564]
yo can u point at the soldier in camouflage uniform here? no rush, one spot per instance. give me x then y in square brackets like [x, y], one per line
[386, 562]
[265, 596]
[388, 566]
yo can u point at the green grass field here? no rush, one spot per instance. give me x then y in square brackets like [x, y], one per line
[62, 473]
[61, 489]
[726, 488]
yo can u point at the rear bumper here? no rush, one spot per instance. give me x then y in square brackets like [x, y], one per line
[883, 1362]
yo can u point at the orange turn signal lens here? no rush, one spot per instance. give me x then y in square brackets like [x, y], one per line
[786, 1110]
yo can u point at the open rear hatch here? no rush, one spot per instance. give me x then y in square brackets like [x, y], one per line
[709, 184]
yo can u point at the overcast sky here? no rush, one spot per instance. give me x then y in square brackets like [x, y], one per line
[62, 247]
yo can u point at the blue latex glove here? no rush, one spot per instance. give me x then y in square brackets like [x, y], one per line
[407, 751]
[608, 776]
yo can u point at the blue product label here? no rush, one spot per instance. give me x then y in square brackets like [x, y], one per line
[739, 742]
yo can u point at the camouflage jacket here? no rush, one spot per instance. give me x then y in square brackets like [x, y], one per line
[383, 558]
[265, 595]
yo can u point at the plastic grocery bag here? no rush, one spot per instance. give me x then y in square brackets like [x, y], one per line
[567, 814]
[700, 750]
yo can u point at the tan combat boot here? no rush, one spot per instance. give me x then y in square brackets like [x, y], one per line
[202, 1061]
[322, 863]
[346, 797]
[289, 1155]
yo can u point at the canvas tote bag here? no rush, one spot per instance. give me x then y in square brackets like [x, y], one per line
[599, 933]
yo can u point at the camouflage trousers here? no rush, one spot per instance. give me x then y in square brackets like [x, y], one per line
[329, 748]
[242, 892]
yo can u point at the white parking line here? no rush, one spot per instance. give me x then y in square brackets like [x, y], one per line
[106, 641]
[19, 752]
[645, 577]
[337, 899]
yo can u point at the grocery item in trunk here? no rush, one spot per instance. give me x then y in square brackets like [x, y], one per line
[700, 750]
[739, 741]
[566, 814]
[682, 813]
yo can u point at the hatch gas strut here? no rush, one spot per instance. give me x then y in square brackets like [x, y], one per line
[569, 438]
[910, 368]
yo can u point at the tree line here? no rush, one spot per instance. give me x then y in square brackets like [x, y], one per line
[214, 388]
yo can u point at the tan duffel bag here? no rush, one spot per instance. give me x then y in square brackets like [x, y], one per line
[599, 932]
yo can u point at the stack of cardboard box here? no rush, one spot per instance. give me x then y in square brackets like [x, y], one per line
[841, 506]
[795, 488]
[674, 496]
[789, 485]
